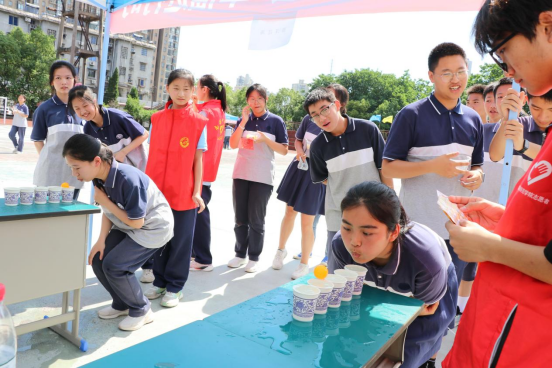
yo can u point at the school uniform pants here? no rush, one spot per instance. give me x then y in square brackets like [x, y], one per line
[464, 270]
[115, 271]
[20, 131]
[171, 263]
[226, 142]
[202, 233]
[250, 201]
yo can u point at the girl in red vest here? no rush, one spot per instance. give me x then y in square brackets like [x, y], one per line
[177, 143]
[212, 93]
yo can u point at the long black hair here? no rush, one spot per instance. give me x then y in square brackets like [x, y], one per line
[61, 64]
[341, 94]
[180, 74]
[382, 203]
[217, 90]
[83, 147]
[83, 92]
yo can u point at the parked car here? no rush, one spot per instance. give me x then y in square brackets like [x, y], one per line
[9, 111]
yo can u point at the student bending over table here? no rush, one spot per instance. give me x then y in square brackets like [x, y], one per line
[136, 221]
[401, 256]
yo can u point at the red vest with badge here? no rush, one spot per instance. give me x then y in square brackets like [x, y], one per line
[173, 145]
[215, 138]
[498, 289]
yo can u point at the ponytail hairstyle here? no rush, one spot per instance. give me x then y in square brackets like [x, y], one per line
[382, 203]
[217, 90]
[341, 94]
[180, 74]
[83, 147]
[82, 91]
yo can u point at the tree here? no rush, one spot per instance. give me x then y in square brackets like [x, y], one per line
[134, 93]
[25, 60]
[288, 104]
[235, 99]
[112, 92]
[488, 73]
[136, 110]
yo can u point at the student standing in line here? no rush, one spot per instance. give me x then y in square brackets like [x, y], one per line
[53, 125]
[301, 195]
[117, 129]
[227, 134]
[347, 152]
[258, 134]
[490, 106]
[175, 164]
[476, 100]
[136, 221]
[19, 124]
[424, 140]
[212, 93]
[404, 257]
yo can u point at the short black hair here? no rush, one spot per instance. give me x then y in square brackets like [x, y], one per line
[489, 89]
[316, 95]
[502, 82]
[546, 97]
[442, 50]
[476, 88]
[499, 18]
[256, 87]
[341, 94]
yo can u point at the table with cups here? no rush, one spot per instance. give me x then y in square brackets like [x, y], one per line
[44, 228]
[334, 322]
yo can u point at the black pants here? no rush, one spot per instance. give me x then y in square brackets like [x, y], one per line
[171, 264]
[21, 135]
[250, 201]
[202, 233]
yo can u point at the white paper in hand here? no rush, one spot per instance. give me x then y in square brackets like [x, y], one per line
[450, 209]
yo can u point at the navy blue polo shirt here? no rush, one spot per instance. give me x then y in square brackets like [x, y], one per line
[50, 113]
[425, 130]
[135, 193]
[258, 164]
[307, 132]
[490, 189]
[346, 160]
[118, 130]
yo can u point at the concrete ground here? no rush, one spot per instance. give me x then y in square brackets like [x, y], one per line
[205, 293]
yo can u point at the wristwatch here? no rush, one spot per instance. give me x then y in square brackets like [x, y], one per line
[525, 147]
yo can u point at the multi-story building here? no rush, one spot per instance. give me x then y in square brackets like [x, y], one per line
[243, 81]
[144, 59]
[301, 87]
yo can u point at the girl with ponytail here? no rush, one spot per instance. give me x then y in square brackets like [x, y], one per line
[403, 257]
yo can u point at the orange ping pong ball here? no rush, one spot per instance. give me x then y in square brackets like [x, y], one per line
[65, 185]
[320, 272]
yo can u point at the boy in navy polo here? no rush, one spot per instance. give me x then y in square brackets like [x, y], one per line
[425, 138]
[476, 100]
[347, 152]
[493, 116]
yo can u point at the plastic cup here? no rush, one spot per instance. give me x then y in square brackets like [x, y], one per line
[11, 196]
[27, 196]
[54, 194]
[351, 277]
[337, 291]
[361, 275]
[325, 291]
[41, 195]
[304, 302]
[67, 194]
[465, 160]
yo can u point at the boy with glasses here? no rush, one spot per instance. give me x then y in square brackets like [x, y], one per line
[424, 142]
[508, 321]
[347, 152]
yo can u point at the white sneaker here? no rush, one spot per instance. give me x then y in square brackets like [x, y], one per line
[278, 261]
[110, 313]
[147, 276]
[236, 262]
[301, 271]
[135, 323]
[251, 267]
[194, 266]
[15, 151]
[171, 299]
[154, 292]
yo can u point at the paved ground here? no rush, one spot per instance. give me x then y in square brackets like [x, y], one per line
[204, 293]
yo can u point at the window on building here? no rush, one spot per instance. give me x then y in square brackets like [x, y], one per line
[91, 73]
[10, 3]
[144, 52]
[1, 2]
[20, 6]
[124, 52]
[122, 71]
[51, 32]
[94, 40]
[141, 82]
[143, 67]
[14, 21]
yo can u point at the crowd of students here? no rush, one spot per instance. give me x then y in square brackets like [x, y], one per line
[156, 215]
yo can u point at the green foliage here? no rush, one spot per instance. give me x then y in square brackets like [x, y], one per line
[488, 73]
[112, 91]
[235, 100]
[137, 111]
[134, 93]
[25, 61]
[288, 104]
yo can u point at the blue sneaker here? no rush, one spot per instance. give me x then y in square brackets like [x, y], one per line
[298, 256]
[324, 261]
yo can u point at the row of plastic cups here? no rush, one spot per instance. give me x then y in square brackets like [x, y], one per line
[319, 295]
[38, 195]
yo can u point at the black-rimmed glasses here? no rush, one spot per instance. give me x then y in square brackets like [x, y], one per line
[497, 59]
[324, 112]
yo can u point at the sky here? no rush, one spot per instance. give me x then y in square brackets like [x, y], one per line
[389, 42]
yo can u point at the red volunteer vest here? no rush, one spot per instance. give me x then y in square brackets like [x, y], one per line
[175, 134]
[497, 288]
[215, 138]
